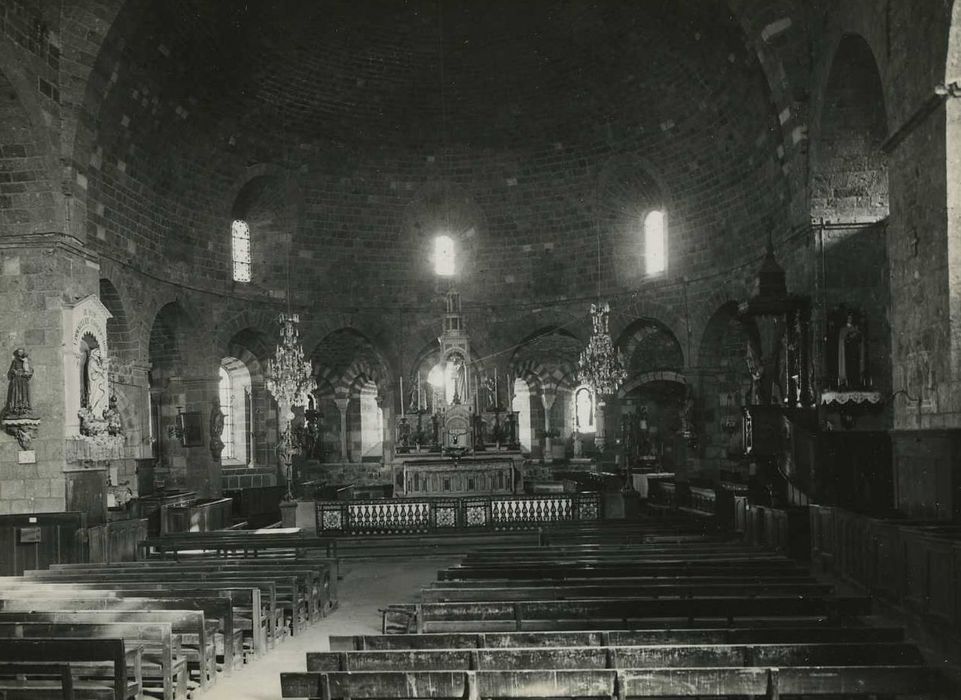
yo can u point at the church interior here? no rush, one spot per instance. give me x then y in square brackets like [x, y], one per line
[480, 348]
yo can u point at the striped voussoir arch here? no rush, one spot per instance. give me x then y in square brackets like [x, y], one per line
[546, 377]
[348, 382]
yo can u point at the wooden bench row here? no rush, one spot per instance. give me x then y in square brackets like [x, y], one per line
[800, 634]
[36, 669]
[182, 615]
[619, 684]
[612, 613]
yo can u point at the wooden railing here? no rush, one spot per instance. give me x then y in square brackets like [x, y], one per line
[197, 516]
[915, 565]
[426, 514]
[784, 530]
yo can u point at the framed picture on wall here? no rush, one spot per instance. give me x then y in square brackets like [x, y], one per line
[192, 429]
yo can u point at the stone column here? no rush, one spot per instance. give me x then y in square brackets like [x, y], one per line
[386, 405]
[203, 472]
[547, 399]
[599, 418]
[342, 407]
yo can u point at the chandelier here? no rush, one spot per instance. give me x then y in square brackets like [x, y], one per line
[290, 381]
[601, 366]
[288, 377]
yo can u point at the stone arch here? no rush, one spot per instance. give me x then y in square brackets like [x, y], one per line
[625, 315]
[649, 345]
[547, 361]
[345, 353]
[648, 377]
[124, 347]
[170, 336]
[251, 347]
[718, 346]
[849, 180]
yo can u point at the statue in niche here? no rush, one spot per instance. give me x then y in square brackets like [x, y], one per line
[756, 371]
[216, 430]
[490, 389]
[97, 396]
[851, 354]
[18, 391]
[458, 376]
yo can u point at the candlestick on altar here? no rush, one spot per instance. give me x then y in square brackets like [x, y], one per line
[497, 396]
[402, 413]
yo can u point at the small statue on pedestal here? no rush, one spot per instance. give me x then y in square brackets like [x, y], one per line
[216, 430]
[17, 418]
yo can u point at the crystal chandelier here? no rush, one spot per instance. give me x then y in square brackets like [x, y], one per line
[289, 378]
[601, 366]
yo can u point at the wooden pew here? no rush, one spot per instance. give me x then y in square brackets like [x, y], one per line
[618, 570]
[216, 611]
[615, 613]
[730, 577]
[163, 662]
[238, 543]
[287, 595]
[610, 683]
[38, 672]
[185, 624]
[323, 571]
[313, 591]
[609, 590]
[596, 550]
[621, 657]
[703, 558]
[247, 600]
[100, 668]
[807, 634]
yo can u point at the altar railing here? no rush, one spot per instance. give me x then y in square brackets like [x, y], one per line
[394, 515]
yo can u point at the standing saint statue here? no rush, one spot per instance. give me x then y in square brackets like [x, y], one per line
[18, 391]
[851, 354]
[98, 397]
[216, 430]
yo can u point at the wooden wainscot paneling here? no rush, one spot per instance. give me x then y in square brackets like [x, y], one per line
[37, 540]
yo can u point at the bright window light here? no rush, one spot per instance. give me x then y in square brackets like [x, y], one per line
[444, 256]
[240, 250]
[655, 242]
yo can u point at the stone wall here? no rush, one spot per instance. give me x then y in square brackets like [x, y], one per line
[140, 130]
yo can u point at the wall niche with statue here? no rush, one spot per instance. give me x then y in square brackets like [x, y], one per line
[93, 426]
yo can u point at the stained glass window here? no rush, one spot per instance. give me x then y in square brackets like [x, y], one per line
[655, 242]
[444, 256]
[240, 250]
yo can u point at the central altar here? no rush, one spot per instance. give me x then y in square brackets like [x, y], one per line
[427, 475]
[455, 436]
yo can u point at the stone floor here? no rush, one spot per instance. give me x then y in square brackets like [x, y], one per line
[366, 586]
